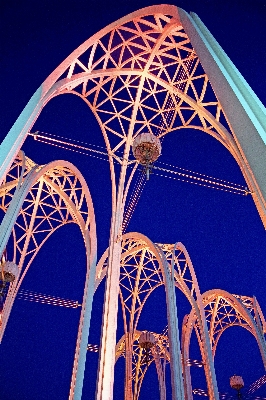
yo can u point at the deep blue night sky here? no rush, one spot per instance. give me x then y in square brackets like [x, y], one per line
[221, 231]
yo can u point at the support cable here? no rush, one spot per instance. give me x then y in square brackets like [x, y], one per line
[46, 299]
[185, 175]
[161, 169]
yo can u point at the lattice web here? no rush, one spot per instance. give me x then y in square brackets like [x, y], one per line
[11, 179]
[144, 75]
[139, 276]
[182, 266]
[57, 194]
[139, 359]
[54, 193]
[222, 313]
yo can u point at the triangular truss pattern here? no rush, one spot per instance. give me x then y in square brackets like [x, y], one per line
[140, 363]
[140, 274]
[145, 76]
[54, 197]
[57, 195]
[223, 310]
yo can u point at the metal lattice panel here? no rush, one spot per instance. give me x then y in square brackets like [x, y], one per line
[138, 75]
[224, 311]
[56, 194]
[145, 68]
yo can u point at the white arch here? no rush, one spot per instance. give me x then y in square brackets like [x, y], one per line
[244, 320]
[88, 230]
[249, 153]
[184, 277]
[168, 20]
[176, 367]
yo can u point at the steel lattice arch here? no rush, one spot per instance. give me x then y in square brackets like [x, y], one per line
[152, 72]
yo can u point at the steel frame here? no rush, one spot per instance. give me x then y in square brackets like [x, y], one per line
[143, 268]
[222, 310]
[37, 200]
[139, 277]
[140, 273]
[144, 73]
[159, 355]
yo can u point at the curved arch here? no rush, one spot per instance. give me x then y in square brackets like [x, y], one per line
[222, 310]
[220, 299]
[168, 69]
[175, 265]
[123, 52]
[53, 212]
[63, 180]
[186, 283]
[140, 367]
[133, 243]
[56, 179]
[220, 132]
[136, 245]
[215, 129]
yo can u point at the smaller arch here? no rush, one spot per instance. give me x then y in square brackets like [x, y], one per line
[222, 310]
[58, 179]
[173, 262]
[136, 246]
[160, 351]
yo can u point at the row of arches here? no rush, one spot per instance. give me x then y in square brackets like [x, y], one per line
[56, 194]
[37, 201]
[141, 272]
[143, 72]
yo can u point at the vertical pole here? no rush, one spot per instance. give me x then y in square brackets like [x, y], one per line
[128, 362]
[186, 334]
[131, 330]
[173, 332]
[207, 355]
[84, 322]
[160, 373]
[105, 379]
[107, 352]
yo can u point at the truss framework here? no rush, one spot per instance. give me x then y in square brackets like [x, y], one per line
[37, 201]
[142, 73]
[141, 272]
[140, 275]
[223, 310]
[57, 196]
[139, 74]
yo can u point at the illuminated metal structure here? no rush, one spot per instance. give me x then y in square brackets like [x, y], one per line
[141, 272]
[222, 311]
[37, 200]
[154, 71]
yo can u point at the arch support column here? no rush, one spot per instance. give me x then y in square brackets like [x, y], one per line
[173, 331]
[42, 177]
[160, 373]
[245, 112]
